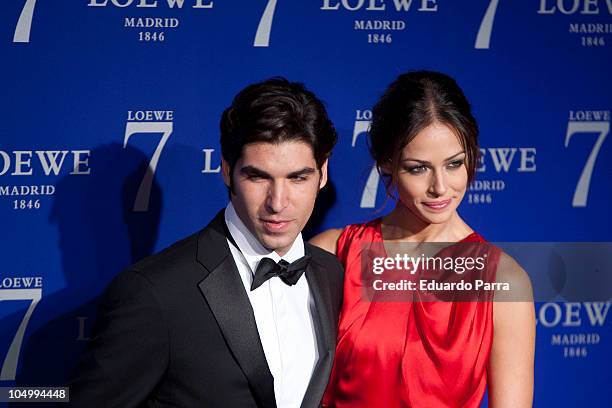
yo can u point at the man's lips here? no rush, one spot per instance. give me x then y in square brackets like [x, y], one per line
[437, 205]
[275, 225]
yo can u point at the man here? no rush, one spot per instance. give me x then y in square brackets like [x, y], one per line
[243, 313]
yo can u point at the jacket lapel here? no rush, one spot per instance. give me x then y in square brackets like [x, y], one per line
[319, 285]
[225, 294]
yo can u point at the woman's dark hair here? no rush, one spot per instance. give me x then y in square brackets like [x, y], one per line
[276, 111]
[411, 103]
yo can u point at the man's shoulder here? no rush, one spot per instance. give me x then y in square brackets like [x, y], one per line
[179, 259]
[322, 257]
[182, 252]
[164, 272]
[330, 267]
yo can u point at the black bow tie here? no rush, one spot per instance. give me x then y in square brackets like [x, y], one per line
[289, 273]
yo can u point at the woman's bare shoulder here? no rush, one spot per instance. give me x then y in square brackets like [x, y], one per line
[327, 240]
[509, 271]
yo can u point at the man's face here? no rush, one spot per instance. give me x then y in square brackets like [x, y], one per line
[275, 187]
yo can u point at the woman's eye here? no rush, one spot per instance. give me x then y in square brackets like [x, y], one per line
[455, 164]
[416, 169]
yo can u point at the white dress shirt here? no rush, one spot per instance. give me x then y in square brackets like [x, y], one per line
[284, 314]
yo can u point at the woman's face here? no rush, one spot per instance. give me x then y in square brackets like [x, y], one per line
[432, 177]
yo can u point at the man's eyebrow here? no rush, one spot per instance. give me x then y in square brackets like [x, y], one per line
[254, 171]
[427, 162]
[302, 172]
[251, 171]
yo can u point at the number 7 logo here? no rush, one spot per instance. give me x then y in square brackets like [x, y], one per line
[483, 39]
[9, 367]
[368, 196]
[262, 36]
[141, 203]
[582, 188]
[24, 24]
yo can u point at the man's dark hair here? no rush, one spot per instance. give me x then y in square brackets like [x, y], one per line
[411, 103]
[276, 111]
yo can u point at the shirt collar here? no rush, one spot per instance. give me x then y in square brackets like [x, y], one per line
[252, 250]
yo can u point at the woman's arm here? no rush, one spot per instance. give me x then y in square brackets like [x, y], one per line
[512, 355]
[327, 240]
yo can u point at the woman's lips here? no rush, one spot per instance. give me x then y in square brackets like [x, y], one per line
[437, 205]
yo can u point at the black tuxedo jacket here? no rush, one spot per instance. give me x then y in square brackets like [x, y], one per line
[177, 330]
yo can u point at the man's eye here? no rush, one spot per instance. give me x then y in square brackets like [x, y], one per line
[254, 178]
[299, 178]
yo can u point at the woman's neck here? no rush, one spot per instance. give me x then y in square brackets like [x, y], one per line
[403, 225]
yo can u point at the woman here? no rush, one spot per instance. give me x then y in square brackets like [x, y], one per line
[424, 140]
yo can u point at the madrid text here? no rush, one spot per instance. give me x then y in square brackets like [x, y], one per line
[22, 164]
[591, 34]
[380, 31]
[152, 29]
[501, 160]
[591, 316]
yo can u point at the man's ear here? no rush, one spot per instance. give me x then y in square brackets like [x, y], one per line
[323, 180]
[225, 171]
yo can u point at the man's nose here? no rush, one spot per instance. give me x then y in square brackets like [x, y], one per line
[278, 196]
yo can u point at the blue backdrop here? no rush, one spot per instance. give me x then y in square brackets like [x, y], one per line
[109, 142]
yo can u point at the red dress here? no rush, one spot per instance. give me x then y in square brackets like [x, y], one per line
[406, 354]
